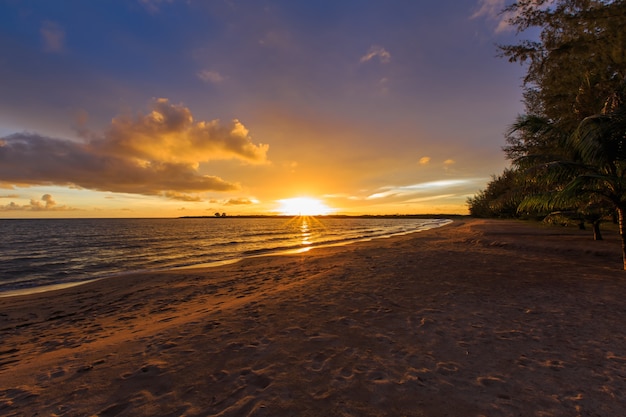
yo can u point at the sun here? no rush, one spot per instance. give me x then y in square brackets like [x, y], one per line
[303, 206]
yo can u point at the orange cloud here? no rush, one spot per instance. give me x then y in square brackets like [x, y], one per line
[181, 196]
[239, 202]
[169, 134]
[46, 203]
[153, 154]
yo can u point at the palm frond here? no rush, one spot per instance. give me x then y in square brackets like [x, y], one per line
[601, 138]
[540, 202]
[584, 186]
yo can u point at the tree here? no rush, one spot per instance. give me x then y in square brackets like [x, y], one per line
[596, 177]
[570, 148]
[578, 60]
[499, 199]
[601, 141]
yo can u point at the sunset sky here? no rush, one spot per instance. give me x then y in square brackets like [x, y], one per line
[161, 108]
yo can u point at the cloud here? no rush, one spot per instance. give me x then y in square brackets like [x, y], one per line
[46, 203]
[53, 37]
[430, 198]
[10, 196]
[405, 190]
[154, 6]
[158, 153]
[383, 85]
[489, 8]
[377, 52]
[239, 202]
[291, 166]
[424, 160]
[276, 39]
[181, 196]
[213, 77]
[168, 134]
[492, 10]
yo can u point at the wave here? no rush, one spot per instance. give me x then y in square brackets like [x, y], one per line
[50, 252]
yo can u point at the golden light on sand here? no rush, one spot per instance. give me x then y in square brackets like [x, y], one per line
[303, 206]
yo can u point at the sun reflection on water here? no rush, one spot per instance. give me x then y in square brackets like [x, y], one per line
[305, 232]
[306, 227]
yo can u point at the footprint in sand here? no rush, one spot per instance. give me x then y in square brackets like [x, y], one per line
[9, 356]
[555, 365]
[318, 361]
[258, 381]
[52, 374]
[113, 410]
[447, 368]
[323, 338]
[377, 377]
[146, 371]
[491, 380]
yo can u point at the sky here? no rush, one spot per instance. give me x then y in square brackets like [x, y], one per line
[167, 108]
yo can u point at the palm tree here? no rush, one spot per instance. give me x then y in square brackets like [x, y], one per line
[570, 148]
[600, 141]
[596, 172]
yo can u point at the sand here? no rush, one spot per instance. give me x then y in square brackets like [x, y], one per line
[478, 318]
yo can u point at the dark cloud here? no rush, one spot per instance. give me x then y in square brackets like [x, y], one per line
[154, 154]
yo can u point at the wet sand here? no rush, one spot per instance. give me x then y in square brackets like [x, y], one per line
[478, 318]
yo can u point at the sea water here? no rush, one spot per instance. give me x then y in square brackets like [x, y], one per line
[36, 253]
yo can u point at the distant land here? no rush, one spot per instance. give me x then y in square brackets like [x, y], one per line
[333, 216]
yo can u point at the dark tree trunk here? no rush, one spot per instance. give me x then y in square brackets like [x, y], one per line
[622, 231]
[596, 231]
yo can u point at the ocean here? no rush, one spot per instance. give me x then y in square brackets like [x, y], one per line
[43, 253]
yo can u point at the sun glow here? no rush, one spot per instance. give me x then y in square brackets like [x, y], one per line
[303, 206]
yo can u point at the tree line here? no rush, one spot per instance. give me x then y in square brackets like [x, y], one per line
[568, 150]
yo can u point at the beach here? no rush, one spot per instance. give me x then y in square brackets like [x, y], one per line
[476, 318]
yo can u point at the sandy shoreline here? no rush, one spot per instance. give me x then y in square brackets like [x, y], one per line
[478, 318]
